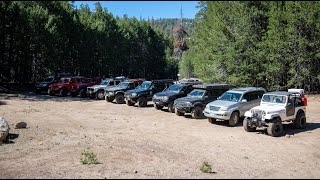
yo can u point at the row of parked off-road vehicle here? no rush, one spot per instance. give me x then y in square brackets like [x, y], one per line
[257, 107]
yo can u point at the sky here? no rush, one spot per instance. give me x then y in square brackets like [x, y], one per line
[146, 9]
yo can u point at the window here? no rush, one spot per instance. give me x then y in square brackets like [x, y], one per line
[246, 96]
[118, 82]
[253, 96]
[111, 83]
[131, 86]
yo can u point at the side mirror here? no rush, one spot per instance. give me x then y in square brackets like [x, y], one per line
[206, 97]
[218, 98]
[244, 101]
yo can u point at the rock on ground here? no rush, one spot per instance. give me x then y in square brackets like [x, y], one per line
[4, 129]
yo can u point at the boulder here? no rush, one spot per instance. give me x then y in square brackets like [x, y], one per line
[4, 129]
[21, 125]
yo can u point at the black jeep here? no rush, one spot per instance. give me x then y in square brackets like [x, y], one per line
[167, 97]
[118, 91]
[197, 99]
[144, 92]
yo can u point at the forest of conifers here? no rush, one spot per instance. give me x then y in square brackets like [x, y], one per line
[273, 44]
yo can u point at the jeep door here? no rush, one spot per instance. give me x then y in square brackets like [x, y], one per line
[208, 97]
[251, 101]
[290, 109]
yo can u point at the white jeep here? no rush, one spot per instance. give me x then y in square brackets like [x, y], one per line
[276, 108]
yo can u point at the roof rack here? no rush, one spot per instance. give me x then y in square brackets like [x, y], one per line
[212, 86]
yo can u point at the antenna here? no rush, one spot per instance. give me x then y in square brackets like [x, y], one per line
[181, 15]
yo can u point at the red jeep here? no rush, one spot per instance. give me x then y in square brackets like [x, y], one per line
[81, 88]
[64, 86]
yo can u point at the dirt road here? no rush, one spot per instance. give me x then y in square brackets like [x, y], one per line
[132, 142]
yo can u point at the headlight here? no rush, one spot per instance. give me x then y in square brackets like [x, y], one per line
[134, 94]
[111, 92]
[59, 86]
[224, 108]
[189, 104]
[95, 90]
[165, 98]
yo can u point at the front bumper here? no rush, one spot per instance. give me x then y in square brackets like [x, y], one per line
[184, 109]
[159, 102]
[91, 93]
[109, 95]
[130, 98]
[225, 115]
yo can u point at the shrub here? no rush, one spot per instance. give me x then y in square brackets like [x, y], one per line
[88, 157]
[206, 167]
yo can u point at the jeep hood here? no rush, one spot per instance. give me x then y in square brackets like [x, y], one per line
[221, 103]
[188, 99]
[98, 86]
[115, 89]
[166, 93]
[269, 108]
[137, 91]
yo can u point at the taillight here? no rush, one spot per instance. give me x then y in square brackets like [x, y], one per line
[304, 101]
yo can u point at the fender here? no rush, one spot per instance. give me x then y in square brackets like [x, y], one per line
[272, 116]
[248, 114]
[198, 104]
[119, 92]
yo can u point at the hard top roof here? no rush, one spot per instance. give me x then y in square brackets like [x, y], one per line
[212, 86]
[284, 93]
[134, 80]
[161, 80]
[246, 89]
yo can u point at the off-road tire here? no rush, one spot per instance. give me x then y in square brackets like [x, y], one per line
[234, 119]
[142, 102]
[300, 122]
[247, 127]
[196, 112]
[211, 120]
[171, 107]
[63, 92]
[108, 99]
[129, 103]
[119, 99]
[157, 107]
[178, 113]
[275, 129]
[100, 95]
[73, 94]
[50, 92]
[83, 93]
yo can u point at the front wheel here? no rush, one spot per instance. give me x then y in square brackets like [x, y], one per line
[196, 112]
[83, 93]
[129, 103]
[247, 127]
[211, 120]
[50, 92]
[157, 107]
[119, 99]
[63, 92]
[178, 113]
[73, 94]
[100, 95]
[142, 102]
[234, 119]
[109, 99]
[275, 129]
[170, 107]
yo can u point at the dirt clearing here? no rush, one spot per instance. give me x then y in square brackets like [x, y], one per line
[132, 142]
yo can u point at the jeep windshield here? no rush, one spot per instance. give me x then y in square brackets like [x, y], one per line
[196, 93]
[144, 85]
[230, 96]
[64, 80]
[175, 88]
[275, 99]
[104, 82]
[123, 85]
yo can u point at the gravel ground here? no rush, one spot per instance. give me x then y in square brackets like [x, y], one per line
[132, 142]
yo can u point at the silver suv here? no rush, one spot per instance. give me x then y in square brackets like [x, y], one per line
[233, 104]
